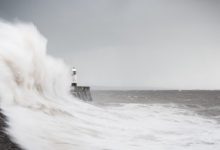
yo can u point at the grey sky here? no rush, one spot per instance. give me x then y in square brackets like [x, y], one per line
[138, 44]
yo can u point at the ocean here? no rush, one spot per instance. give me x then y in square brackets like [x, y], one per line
[202, 102]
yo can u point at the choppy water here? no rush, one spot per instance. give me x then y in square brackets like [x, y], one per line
[176, 119]
[204, 103]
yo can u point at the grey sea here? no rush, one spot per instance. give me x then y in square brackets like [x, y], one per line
[203, 103]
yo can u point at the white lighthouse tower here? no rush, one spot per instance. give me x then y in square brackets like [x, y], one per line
[74, 83]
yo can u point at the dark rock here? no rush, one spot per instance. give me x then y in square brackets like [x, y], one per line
[5, 141]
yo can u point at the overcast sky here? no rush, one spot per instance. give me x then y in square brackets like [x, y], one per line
[135, 44]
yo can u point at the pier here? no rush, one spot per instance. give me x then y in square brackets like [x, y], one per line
[81, 92]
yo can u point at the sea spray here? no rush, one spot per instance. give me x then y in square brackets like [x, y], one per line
[43, 115]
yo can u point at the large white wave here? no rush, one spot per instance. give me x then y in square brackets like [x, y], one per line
[43, 115]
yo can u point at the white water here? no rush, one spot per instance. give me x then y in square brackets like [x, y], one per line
[42, 115]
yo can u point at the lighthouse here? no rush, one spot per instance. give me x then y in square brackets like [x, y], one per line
[74, 75]
[82, 92]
